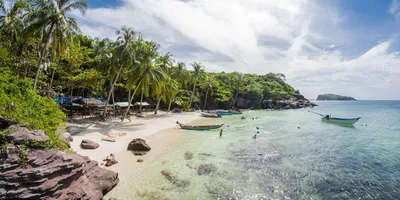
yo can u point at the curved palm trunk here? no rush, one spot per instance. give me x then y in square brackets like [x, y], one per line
[158, 105]
[191, 98]
[42, 52]
[205, 101]
[169, 105]
[141, 102]
[112, 89]
[130, 98]
[236, 96]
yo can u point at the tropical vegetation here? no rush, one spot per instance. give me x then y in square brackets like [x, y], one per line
[44, 54]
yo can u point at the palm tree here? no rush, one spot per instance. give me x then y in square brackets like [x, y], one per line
[51, 21]
[208, 84]
[11, 20]
[181, 74]
[147, 70]
[198, 71]
[122, 55]
[238, 83]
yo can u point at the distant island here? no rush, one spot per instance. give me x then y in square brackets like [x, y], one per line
[334, 97]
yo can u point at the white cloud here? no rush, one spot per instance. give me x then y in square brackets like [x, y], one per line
[394, 7]
[297, 37]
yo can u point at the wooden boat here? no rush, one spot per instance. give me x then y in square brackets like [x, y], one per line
[348, 121]
[212, 115]
[223, 113]
[235, 112]
[201, 127]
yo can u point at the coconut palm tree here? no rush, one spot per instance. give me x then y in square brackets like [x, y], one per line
[198, 71]
[122, 55]
[208, 84]
[50, 20]
[181, 74]
[11, 19]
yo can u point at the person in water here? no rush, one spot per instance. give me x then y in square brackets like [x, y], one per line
[220, 133]
[255, 137]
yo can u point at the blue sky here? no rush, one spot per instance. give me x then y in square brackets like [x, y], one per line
[349, 47]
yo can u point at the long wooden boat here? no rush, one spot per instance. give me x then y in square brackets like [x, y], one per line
[200, 128]
[212, 115]
[348, 121]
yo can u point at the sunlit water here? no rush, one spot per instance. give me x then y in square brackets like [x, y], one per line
[296, 156]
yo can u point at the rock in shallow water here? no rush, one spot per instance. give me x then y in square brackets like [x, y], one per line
[188, 155]
[138, 145]
[173, 179]
[53, 174]
[205, 169]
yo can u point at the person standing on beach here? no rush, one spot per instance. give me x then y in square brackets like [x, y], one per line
[220, 133]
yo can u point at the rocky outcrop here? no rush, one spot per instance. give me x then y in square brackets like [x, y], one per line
[52, 174]
[174, 179]
[205, 169]
[138, 145]
[21, 135]
[89, 144]
[188, 155]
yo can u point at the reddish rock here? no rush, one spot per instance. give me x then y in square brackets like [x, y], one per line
[21, 135]
[89, 144]
[140, 160]
[138, 145]
[53, 174]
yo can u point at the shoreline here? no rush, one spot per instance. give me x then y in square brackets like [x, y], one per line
[143, 128]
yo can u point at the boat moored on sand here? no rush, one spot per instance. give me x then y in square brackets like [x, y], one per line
[211, 115]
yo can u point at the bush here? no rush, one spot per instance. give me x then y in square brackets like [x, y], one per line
[19, 101]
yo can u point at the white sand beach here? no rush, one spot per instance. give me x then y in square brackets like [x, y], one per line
[138, 128]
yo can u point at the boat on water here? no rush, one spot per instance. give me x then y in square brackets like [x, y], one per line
[200, 127]
[225, 112]
[348, 121]
[212, 115]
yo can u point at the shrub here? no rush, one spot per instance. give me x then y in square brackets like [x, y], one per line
[19, 101]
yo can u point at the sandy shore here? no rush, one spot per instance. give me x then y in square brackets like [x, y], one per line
[143, 128]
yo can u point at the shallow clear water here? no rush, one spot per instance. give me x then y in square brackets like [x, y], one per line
[296, 156]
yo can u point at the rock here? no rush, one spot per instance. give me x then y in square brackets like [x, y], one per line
[73, 130]
[89, 144]
[22, 135]
[298, 96]
[188, 155]
[313, 104]
[110, 160]
[294, 105]
[138, 145]
[205, 169]
[139, 153]
[287, 107]
[67, 136]
[140, 160]
[53, 174]
[4, 123]
[173, 179]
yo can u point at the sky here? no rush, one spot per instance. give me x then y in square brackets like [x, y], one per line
[339, 46]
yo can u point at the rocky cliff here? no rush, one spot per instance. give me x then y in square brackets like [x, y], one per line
[37, 173]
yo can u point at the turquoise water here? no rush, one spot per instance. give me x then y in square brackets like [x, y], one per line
[296, 156]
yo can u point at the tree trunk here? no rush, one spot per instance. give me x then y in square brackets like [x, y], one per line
[141, 102]
[191, 98]
[169, 105]
[51, 79]
[111, 89]
[42, 52]
[113, 100]
[133, 95]
[158, 104]
[205, 100]
[237, 92]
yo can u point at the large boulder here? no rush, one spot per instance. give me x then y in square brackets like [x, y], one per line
[89, 144]
[298, 96]
[294, 105]
[205, 169]
[21, 135]
[52, 174]
[138, 145]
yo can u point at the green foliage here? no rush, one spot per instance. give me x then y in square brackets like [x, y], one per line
[334, 97]
[20, 102]
[23, 157]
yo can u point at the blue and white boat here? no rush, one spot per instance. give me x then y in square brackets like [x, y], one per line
[348, 121]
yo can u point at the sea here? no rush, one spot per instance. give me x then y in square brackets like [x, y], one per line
[295, 156]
